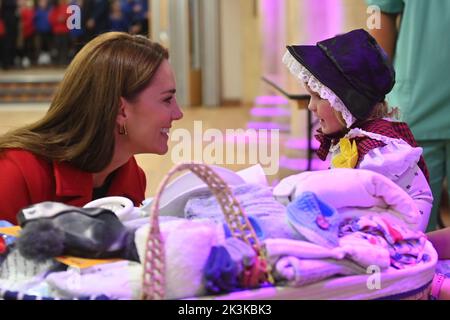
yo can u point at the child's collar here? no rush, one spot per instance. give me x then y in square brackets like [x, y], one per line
[326, 140]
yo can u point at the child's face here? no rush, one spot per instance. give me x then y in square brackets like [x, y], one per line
[322, 109]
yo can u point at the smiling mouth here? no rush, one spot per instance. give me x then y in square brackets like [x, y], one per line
[165, 130]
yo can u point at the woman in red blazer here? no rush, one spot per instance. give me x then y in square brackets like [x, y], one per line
[117, 99]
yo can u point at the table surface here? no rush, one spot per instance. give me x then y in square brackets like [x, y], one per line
[287, 86]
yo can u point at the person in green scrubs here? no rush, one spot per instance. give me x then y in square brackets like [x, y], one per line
[416, 35]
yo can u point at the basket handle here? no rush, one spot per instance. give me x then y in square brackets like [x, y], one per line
[240, 227]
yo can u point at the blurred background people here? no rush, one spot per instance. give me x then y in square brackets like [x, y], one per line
[10, 18]
[26, 39]
[58, 20]
[43, 32]
[136, 12]
[118, 20]
[35, 32]
[97, 17]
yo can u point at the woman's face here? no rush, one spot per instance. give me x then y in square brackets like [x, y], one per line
[149, 117]
[321, 108]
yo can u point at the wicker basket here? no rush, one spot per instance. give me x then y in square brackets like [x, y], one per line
[153, 286]
[153, 282]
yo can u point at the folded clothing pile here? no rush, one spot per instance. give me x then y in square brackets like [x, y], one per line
[256, 201]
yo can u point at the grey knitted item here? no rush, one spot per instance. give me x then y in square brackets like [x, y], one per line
[18, 273]
[256, 201]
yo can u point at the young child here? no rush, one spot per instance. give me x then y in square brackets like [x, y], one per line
[348, 77]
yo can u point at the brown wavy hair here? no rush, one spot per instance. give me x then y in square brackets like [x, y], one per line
[79, 125]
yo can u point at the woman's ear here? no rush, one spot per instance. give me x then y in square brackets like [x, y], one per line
[122, 114]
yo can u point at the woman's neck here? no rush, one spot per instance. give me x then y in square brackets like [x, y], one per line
[117, 161]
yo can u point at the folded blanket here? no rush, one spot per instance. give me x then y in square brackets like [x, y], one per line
[296, 272]
[338, 187]
[187, 247]
[373, 239]
[120, 281]
[277, 248]
[256, 201]
[361, 249]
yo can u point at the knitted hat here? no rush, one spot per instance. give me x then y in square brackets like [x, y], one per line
[350, 70]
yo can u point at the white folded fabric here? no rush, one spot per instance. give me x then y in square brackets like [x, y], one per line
[187, 245]
[120, 281]
[277, 248]
[343, 188]
[295, 272]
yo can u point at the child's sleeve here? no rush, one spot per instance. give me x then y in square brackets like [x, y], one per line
[398, 162]
[388, 6]
[394, 160]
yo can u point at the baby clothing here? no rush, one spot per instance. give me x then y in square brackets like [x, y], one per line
[187, 246]
[400, 245]
[221, 272]
[256, 201]
[227, 264]
[118, 280]
[277, 248]
[314, 219]
[240, 252]
[388, 148]
[338, 187]
[295, 272]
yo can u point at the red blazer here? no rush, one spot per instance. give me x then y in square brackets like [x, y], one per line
[26, 179]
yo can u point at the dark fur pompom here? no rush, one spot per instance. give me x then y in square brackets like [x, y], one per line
[40, 240]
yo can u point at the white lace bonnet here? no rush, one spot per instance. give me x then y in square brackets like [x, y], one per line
[304, 76]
